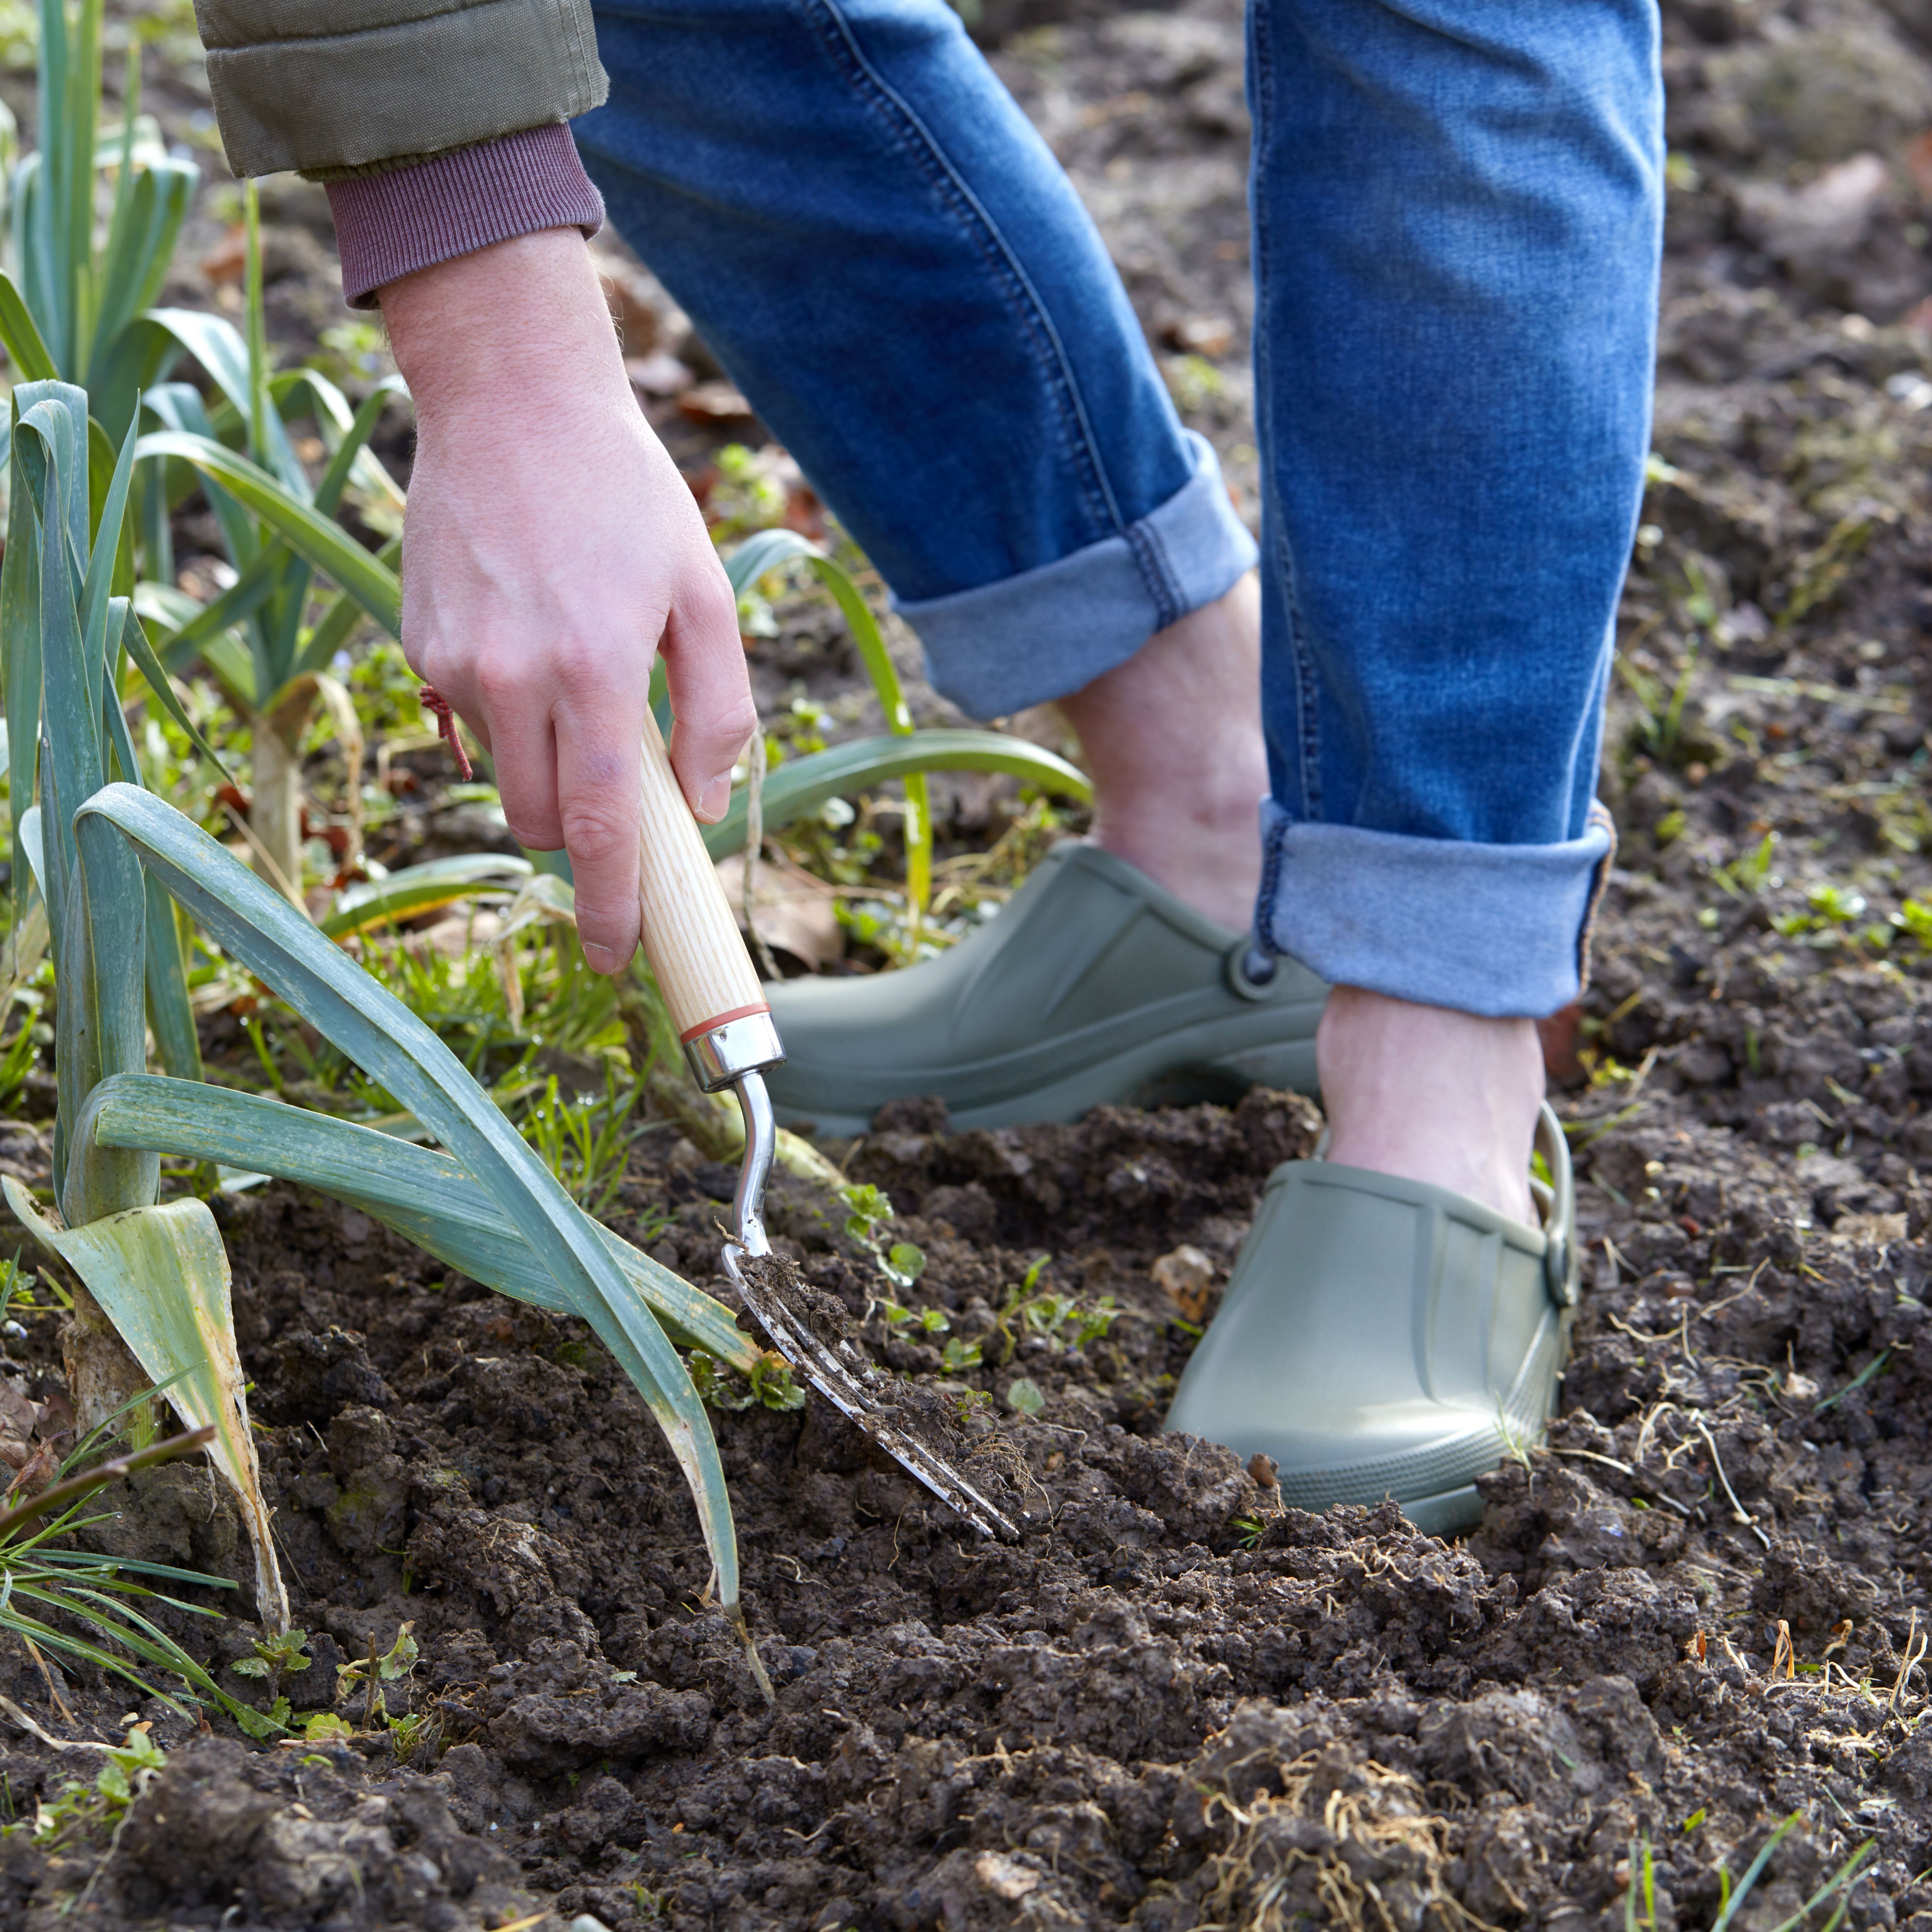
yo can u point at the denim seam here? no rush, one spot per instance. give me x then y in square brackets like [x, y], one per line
[1268, 898]
[1308, 746]
[1599, 816]
[1157, 568]
[994, 246]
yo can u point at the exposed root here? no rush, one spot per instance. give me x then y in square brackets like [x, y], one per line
[1356, 1845]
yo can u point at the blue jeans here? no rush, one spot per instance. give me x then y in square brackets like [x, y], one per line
[1456, 209]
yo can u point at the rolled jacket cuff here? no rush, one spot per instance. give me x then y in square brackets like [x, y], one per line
[1040, 635]
[388, 225]
[1502, 930]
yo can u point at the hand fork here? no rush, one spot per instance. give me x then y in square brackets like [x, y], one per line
[719, 1009]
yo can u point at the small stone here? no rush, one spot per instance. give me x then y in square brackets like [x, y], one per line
[1187, 1277]
[1005, 1878]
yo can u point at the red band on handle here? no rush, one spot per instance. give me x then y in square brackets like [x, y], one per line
[718, 1020]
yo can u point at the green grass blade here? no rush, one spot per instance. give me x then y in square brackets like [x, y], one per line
[329, 548]
[422, 1194]
[801, 785]
[25, 349]
[1753, 1872]
[264, 934]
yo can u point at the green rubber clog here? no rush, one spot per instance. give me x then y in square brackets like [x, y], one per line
[1381, 1337]
[1092, 985]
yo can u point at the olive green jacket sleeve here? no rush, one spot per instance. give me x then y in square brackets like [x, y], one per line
[341, 87]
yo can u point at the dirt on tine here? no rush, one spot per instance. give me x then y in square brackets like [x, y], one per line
[1698, 1614]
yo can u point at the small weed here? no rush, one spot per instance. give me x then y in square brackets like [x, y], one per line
[1024, 1397]
[969, 1402]
[1660, 726]
[1194, 383]
[83, 1808]
[407, 1734]
[371, 1671]
[1062, 1319]
[1642, 1868]
[1731, 1898]
[1914, 919]
[22, 1055]
[959, 1355]
[1252, 1528]
[1831, 908]
[868, 1211]
[929, 1320]
[1518, 1441]
[276, 1657]
[769, 1384]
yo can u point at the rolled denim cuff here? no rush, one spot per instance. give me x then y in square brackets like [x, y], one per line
[1027, 639]
[1502, 930]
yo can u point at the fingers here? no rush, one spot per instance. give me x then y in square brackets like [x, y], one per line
[710, 692]
[507, 711]
[597, 806]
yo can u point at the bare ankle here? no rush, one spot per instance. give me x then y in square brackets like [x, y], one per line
[1173, 740]
[1432, 1095]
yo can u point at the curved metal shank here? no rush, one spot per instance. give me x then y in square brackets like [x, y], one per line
[761, 1141]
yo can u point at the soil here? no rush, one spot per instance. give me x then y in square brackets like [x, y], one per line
[1698, 1613]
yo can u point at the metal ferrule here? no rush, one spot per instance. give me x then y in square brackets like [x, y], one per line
[737, 1047]
[761, 1141]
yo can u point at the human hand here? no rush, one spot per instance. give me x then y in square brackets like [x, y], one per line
[550, 548]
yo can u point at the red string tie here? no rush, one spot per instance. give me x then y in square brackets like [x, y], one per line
[438, 706]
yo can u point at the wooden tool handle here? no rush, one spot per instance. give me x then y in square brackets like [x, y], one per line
[690, 936]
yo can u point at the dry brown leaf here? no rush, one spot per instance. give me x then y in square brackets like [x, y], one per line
[36, 1473]
[715, 403]
[660, 375]
[793, 912]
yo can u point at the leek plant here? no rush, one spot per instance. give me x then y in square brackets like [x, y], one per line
[272, 665]
[76, 304]
[905, 754]
[486, 1205]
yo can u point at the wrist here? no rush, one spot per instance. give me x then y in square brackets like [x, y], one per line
[522, 319]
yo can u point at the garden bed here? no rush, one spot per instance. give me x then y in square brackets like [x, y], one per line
[1697, 1614]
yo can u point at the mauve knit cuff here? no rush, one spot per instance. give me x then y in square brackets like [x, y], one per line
[386, 225]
